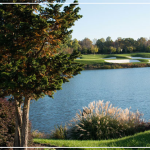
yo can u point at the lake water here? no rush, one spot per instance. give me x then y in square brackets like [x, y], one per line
[122, 87]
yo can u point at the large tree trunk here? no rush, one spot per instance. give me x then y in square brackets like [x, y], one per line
[17, 139]
[25, 122]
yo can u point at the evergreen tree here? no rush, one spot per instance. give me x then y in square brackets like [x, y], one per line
[30, 67]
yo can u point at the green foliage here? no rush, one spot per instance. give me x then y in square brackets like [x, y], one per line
[94, 49]
[60, 132]
[130, 49]
[112, 49]
[121, 45]
[85, 46]
[30, 66]
[143, 60]
[29, 62]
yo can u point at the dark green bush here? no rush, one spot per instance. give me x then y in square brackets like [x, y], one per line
[7, 123]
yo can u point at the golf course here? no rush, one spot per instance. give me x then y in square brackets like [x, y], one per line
[114, 61]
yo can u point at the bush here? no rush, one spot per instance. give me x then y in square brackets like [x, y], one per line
[37, 134]
[104, 122]
[60, 132]
[7, 123]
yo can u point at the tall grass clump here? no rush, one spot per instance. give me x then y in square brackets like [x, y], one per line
[104, 122]
[59, 132]
[37, 134]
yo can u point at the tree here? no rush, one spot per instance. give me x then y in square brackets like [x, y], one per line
[102, 40]
[108, 42]
[118, 50]
[108, 39]
[130, 49]
[85, 44]
[141, 44]
[66, 46]
[94, 49]
[30, 67]
[100, 45]
[112, 49]
[94, 41]
[75, 45]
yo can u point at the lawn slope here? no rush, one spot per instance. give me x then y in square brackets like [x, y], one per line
[138, 140]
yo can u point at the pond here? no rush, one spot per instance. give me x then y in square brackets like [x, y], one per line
[122, 87]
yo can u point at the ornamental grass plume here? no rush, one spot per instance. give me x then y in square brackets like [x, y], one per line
[104, 122]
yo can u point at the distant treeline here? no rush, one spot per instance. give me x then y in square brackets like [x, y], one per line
[108, 46]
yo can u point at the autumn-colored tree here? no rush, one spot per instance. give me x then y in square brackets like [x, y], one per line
[30, 67]
[85, 45]
[66, 46]
[94, 49]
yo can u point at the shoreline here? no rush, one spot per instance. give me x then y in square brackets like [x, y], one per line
[116, 66]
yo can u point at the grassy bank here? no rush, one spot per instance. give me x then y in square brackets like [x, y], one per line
[98, 61]
[138, 140]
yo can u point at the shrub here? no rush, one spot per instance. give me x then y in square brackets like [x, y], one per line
[7, 123]
[104, 122]
[60, 132]
[37, 134]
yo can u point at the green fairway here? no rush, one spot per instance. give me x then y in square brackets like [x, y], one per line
[97, 61]
[90, 61]
[138, 140]
[101, 56]
[125, 56]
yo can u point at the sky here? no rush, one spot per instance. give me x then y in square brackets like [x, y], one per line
[114, 20]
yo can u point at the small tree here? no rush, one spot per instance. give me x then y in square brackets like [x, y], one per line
[118, 50]
[130, 49]
[94, 49]
[29, 64]
[112, 49]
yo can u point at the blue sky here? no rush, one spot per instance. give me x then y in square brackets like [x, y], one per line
[114, 20]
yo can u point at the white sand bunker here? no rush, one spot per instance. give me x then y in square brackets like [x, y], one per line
[122, 61]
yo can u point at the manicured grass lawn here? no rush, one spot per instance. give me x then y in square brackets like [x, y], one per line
[138, 140]
[122, 56]
[143, 60]
[144, 55]
[92, 59]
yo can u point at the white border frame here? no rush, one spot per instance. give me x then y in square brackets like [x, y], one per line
[79, 4]
[84, 3]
